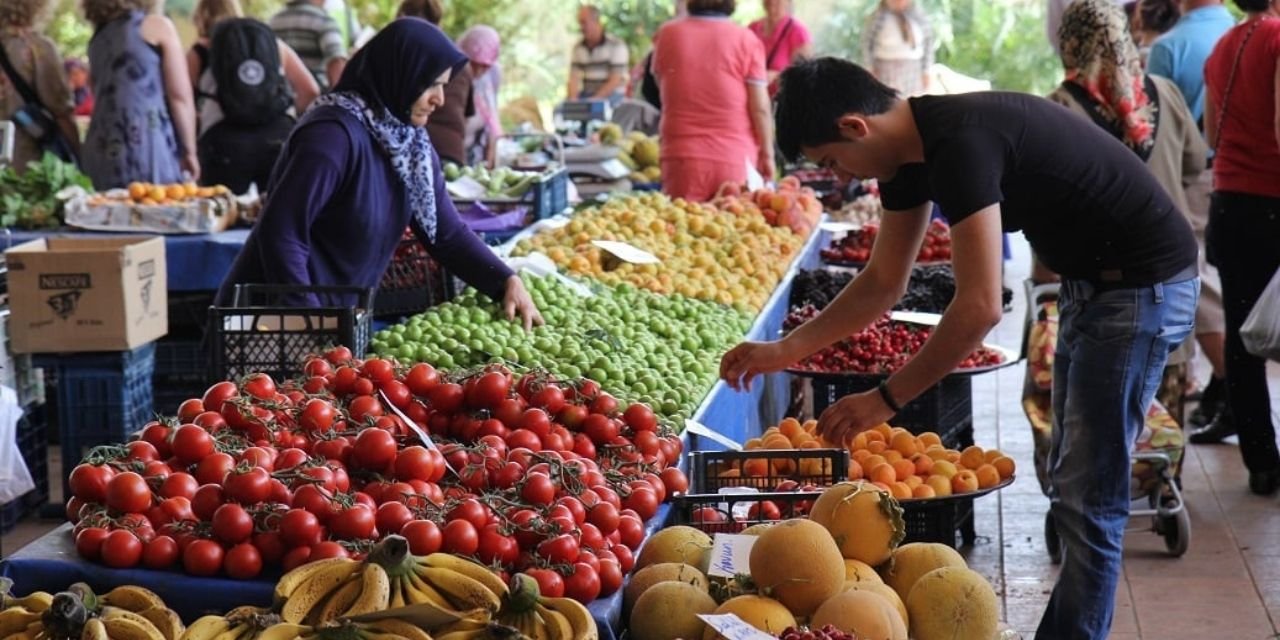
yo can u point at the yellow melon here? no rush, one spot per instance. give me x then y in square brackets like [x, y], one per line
[953, 603]
[756, 529]
[860, 571]
[865, 522]
[658, 573]
[864, 614]
[765, 614]
[676, 544]
[910, 561]
[887, 592]
[797, 563]
[670, 610]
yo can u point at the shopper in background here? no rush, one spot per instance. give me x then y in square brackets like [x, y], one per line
[315, 36]
[358, 170]
[1179, 55]
[1244, 221]
[898, 46]
[716, 116]
[1152, 19]
[599, 63]
[447, 126]
[144, 120]
[242, 126]
[785, 39]
[78, 80]
[35, 60]
[481, 44]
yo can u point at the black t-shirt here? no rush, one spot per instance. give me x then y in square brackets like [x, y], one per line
[1089, 207]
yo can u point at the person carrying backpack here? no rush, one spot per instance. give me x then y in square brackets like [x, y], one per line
[250, 88]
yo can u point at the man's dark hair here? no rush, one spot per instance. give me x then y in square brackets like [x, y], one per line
[1253, 6]
[814, 94]
[1159, 16]
[718, 6]
[430, 10]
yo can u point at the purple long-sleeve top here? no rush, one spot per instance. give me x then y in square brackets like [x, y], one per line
[336, 211]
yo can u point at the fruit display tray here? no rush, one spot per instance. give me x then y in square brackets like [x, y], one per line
[955, 497]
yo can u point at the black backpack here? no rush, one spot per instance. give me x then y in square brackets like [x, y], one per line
[245, 62]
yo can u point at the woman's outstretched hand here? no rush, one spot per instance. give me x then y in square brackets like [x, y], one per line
[517, 301]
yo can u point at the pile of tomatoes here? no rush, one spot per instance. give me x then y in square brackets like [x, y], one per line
[522, 472]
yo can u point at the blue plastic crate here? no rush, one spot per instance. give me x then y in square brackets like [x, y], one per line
[550, 195]
[101, 398]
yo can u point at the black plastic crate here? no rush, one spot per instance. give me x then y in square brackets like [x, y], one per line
[413, 281]
[939, 520]
[101, 398]
[738, 511]
[706, 466]
[188, 314]
[182, 372]
[33, 444]
[264, 329]
[945, 408]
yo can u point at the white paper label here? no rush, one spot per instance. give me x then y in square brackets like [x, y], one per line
[626, 252]
[702, 430]
[466, 188]
[836, 226]
[730, 555]
[413, 426]
[755, 181]
[916, 317]
[733, 628]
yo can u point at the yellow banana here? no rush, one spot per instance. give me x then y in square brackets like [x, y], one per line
[290, 582]
[315, 589]
[531, 625]
[236, 632]
[466, 623]
[463, 591]
[37, 601]
[400, 628]
[206, 628]
[245, 611]
[132, 598]
[418, 591]
[165, 620]
[94, 630]
[340, 600]
[22, 635]
[284, 631]
[558, 626]
[375, 591]
[584, 626]
[473, 570]
[397, 593]
[128, 628]
[370, 634]
[472, 634]
[15, 620]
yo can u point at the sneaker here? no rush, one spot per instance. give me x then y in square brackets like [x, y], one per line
[1264, 483]
[1220, 429]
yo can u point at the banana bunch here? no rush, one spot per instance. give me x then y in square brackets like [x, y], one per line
[540, 618]
[384, 629]
[454, 585]
[241, 623]
[126, 613]
[332, 588]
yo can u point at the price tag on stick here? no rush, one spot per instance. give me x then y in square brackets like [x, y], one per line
[730, 555]
[626, 252]
[413, 426]
[702, 430]
[733, 628]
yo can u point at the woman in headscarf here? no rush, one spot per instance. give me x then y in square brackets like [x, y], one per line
[482, 44]
[898, 46]
[1104, 81]
[358, 169]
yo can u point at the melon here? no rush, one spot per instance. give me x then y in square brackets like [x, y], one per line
[865, 522]
[670, 610]
[658, 573]
[797, 563]
[886, 591]
[756, 529]
[677, 544]
[859, 571]
[953, 603]
[864, 614]
[765, 614]
[911, 561]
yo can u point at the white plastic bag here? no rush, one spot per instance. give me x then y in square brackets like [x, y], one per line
[1261, 330]
[15, 478]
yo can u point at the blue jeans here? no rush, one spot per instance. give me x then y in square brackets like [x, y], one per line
[1112, 348]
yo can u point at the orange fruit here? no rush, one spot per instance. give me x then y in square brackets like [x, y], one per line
[883, 487]
[936, 452]
[944, 468]
[873, 461]
[987, 476]
[900, 490]
[883, 473]
[755, 467]
[157, 193]
[891, 456]
[730, 473]
[924, 464]
[906, 469]
[903, 442]
[874, 436]
[138, 191]
[205, 192]
[810, 443]
[776, 441]
[965, 481]
[800, 438]
[810, 425]
[941, 485]
[972, 457]
[930, 438]
[923, 491]
[190, 189]
[876, 446]
[753, 443]
[884, 430]
[148, 202]
[860, 455]
[859, 443]
[855, 470]
[789, 427]
[175, 192]
[953, 456]
[913, 481]
[784, 467]
[1004, 466]
[992, 454]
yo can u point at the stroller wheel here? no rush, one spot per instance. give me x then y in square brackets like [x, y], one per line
[1177, 532]
[1051, 539]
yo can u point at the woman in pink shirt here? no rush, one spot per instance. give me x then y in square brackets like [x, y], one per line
[716, 116]
[785, 39]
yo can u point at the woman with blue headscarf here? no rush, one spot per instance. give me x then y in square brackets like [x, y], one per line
[358, 168]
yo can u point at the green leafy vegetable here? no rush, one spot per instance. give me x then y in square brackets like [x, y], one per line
[30, 201]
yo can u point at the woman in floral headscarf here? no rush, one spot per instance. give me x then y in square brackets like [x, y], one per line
[898, 46]
[481, 44]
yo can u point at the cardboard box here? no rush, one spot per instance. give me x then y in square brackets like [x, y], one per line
[87, 294]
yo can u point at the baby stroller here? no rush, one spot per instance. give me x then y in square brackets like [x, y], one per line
[1157, 457]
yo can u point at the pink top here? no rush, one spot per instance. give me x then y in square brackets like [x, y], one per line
[781, 45]
[1247, 158]
[703, 66]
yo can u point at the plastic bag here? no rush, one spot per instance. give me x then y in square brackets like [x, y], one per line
[15, 478]
[1261, 330]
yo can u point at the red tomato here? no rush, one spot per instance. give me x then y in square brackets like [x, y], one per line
[537, 421]
[328, 549]
[338, 355]
[591, 538]
[397, 393]
[206, 500]
[363, 409]
[89, 542]
[158, 435]
[142, 451]
[421, 378]
[583, 584]
[374, 449]
[232, 524]
[262, 457]
[189, 409]
[317, 500]
[632, 530]
[675, 480]
[494, 547]
[600, 428]
[270, 545]
[391, 517]
[243, 562]
[378, 370]
[160, 553]
[508, 411]
[300, 528]
[575, 508]
[191, 444]
[610, 576]
[219, 393]
[128, 493]
[317, 415]
[640, 417]
[550, 584]
[203, 558]
[338, 449]
[249, 486]
[423, 535]
[213, 468]
[459, 537]
[211, 421]
[415, 463]
[572, 416]
[177, 509]
[121, 549]
[562, 549]
[490, 389]
[605, 404]
[260, 386]
[317, 367]
[89, 482]
[604, 516]
[643, 500]
[290, 458]
[549, 398]
[625, 557]
[295, 558]
[354, 523]
[446, 397]
[472, 511]
[507, 476]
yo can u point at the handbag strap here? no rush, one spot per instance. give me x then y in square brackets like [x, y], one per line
[1231, 79]
[777, 44]
[28, 94]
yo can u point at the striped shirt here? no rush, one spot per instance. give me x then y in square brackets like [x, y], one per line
[313, 34]
[596, 64]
